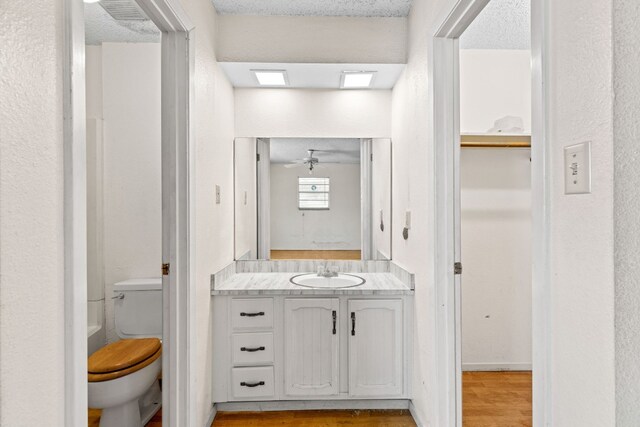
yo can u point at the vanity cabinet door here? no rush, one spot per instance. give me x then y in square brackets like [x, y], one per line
[375, 348]
[311, 346]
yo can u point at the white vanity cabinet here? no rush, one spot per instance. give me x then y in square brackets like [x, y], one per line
[375, 348]
[311, 346]
[316, 347]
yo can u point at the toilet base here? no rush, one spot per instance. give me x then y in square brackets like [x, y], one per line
[150, 403]
[135, 413]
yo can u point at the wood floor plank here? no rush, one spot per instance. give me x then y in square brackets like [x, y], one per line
[94, 419]
[496, 399]
[372, 418]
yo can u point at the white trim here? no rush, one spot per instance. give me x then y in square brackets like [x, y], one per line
[75, 217]
[264, 198]
[366, 198]
[444, 90]
[541, 194]
[212, 415]
[178, 219]
[415, 415]
[495, 367]
[178, 189]
[304, 405]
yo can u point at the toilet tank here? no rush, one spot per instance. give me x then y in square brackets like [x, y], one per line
[138, 308]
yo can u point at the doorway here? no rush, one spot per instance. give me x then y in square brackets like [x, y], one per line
[449, 263]
[176, 192]
[495, 215]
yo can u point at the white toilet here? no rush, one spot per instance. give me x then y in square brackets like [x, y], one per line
[123, 375]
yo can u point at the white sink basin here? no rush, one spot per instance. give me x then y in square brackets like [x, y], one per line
[312, 280]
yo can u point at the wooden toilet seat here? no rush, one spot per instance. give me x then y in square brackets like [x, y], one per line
[122, 358]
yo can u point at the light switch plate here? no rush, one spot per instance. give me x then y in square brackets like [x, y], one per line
[217, 194]
[245, 197]
[577, 168]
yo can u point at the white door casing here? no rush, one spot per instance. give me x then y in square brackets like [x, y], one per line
[264, 198]
[375, 348]
[445, 87]
[177, 197]
[311, 329]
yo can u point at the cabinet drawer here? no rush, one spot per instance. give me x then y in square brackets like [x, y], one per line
[252, 348]
[252, 382]
[255, 313]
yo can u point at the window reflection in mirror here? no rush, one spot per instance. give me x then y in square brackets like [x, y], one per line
[312, 198]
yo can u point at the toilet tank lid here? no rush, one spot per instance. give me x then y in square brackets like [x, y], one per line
[148, 284]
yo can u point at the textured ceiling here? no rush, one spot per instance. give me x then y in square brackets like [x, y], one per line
[101, 27]
[503, 24]
[338, 150]
[382, 8]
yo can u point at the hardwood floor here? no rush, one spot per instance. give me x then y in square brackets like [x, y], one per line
[489, 399]
[94, 419]
[304, 254]
[388, 418]
[496, 399]
[395, 418]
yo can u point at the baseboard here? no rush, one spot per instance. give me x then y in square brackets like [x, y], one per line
[415, 415]
[212, 415]
[496, 366]
[302, 405]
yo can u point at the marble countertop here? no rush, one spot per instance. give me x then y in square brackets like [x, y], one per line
[278, 284]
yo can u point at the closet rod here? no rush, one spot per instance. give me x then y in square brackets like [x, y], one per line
[495, 141]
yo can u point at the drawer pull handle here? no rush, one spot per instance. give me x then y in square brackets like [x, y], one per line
[260, 313]
[243, 384]
[335, 316]
[353, 323]
[251, 350]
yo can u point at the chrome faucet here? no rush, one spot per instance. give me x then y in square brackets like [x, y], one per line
[324, 271]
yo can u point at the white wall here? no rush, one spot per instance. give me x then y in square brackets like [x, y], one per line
[496, 257]
[213, 126]
[626, 204]
[494, 83]
[132, 166]
[31, 215]
[413, 183]
[311, 39]
[338, 228]
[582, 292]
[581, 314]
[313, 113]
[246, 210]
[381, 197]
[95, 199]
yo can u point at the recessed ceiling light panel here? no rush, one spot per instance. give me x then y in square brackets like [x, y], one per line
[357, 79]
[271, 78]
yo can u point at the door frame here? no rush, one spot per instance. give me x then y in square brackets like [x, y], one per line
[446, 118]
[178, 249]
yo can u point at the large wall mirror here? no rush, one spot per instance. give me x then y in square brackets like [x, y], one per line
[312, 198]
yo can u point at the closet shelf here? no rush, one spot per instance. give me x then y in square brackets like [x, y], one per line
[495, 141]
